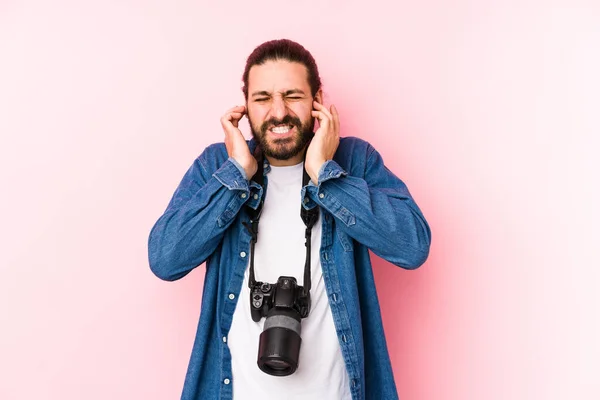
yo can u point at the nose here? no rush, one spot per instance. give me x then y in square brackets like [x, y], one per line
[278, 108]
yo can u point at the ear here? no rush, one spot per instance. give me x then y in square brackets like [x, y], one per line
[319, 96]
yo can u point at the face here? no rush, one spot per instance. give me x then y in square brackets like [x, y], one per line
[279, 110]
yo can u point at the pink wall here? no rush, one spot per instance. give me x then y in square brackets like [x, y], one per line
[487, 110]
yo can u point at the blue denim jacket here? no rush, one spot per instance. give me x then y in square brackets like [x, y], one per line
[364, 207]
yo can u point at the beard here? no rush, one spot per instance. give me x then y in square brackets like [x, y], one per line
[285, 148]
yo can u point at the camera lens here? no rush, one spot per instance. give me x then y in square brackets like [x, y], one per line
[277, 365]
[279, 343]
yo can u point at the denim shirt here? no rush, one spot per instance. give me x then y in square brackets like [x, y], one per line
[364, 206]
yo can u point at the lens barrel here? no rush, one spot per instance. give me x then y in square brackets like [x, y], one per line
[279, 343]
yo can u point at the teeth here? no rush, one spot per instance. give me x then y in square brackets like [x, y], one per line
[281, 129]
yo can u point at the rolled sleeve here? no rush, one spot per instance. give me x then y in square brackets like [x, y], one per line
[329, 170]
[232, 175]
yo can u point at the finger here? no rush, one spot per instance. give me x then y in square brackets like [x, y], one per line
[235, 117]
[323, 109]
[336, 119]
[321, 116]
[318, 105]
[231, 118]
[237, 109]
[324, 120]
[226, 121]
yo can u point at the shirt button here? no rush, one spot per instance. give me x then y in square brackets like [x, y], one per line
[224, 339]
[321, 195]
[243, 254]
[226, 381]
[305, 200]
[231, 296]
[244, 195]
[255, 197]
[344, 338]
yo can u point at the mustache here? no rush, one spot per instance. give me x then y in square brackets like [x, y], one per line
[287, 120]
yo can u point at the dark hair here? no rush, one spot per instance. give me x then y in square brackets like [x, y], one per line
[283, 49]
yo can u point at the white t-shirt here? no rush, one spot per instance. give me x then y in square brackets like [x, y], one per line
[280, 251]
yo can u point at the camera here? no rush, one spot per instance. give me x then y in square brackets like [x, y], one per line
[283, 304]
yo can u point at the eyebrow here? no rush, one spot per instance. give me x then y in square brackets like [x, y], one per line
[286, 93]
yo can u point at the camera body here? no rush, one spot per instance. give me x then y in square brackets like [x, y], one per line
[284, 305]
[285, 294]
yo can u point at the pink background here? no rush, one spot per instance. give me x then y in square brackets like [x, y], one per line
[489, 111]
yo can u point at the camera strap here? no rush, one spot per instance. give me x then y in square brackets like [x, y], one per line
[309, 217]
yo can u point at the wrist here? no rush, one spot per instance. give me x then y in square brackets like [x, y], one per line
[314, 169]
[250, 171]
[250, 166]
[247, 170]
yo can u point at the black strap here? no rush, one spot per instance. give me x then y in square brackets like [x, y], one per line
[252, 225]
[309, 217]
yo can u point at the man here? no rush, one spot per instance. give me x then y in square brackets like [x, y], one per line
[212, 217]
